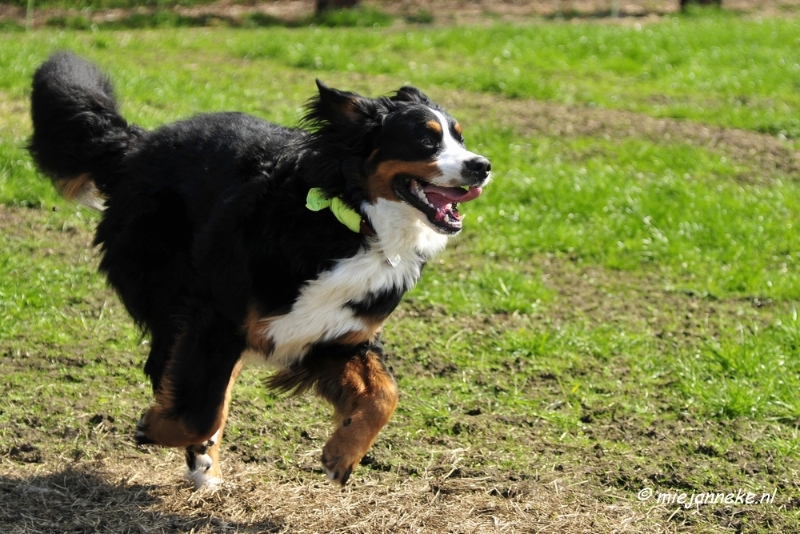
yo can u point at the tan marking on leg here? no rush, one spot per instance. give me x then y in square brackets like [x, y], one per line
[367, 399]
[169, 432]
[160, 429]
[214, 450]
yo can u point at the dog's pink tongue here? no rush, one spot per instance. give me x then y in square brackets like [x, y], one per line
[442, 196]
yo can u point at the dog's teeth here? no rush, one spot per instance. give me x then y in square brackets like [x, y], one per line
[420, 194]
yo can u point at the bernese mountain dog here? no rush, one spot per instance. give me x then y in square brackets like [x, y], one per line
[230, 238]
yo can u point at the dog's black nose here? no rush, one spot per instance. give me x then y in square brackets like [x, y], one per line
[478, 167]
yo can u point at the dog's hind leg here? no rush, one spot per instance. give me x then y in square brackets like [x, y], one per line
[161, 345]
[191, 399]
[364, 396]
[202, 459]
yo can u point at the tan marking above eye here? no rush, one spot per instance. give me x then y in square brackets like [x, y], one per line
[435, 126]
[457, 128]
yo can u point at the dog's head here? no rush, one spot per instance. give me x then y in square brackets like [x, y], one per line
[401, 149]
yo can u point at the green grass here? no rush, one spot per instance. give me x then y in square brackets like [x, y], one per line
[619, 293]
[746, 376]
[722, 70]
[668, 204]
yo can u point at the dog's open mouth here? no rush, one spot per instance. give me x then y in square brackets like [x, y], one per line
[439, 204]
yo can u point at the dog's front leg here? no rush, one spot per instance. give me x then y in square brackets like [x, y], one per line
[364, 396]
[202, 459]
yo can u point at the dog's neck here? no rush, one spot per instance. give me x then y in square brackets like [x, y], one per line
[401, 235]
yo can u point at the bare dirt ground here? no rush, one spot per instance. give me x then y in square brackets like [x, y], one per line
[444, 12]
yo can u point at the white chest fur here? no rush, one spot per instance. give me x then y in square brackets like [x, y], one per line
[321, 312]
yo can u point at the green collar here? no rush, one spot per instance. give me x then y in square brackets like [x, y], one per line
[317, 201]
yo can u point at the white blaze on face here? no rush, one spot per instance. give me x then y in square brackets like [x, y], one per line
[452, 157]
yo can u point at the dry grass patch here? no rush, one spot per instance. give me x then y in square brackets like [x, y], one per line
[139, 496]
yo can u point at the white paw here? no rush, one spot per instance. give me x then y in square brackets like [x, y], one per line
[201, 481]
[199, 474]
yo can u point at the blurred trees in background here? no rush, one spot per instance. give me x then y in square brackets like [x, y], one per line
[322, 6]
[325, 5]
[686, 3]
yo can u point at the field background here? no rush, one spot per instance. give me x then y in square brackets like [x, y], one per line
[619, 313]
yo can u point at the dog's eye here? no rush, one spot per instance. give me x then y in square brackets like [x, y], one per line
[428, 142]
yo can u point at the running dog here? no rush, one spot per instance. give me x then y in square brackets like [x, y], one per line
[229, 238]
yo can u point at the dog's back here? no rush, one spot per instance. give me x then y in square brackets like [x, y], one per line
[158, 190]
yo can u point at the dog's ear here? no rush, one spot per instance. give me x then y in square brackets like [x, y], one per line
[407, 93]
[334, 106]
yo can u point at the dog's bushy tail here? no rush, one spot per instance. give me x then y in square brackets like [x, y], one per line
[79, 138]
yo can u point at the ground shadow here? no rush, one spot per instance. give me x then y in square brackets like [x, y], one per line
[83, 500]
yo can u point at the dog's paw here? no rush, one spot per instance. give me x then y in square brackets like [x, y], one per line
[201, 465]
[338, 465]
[201, 471]
[141, 432]
[155, 428]
[338, 472]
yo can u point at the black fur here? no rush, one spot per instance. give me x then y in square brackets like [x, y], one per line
[193, 209]
[84, 131]
[380, 304]
[205, 226]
